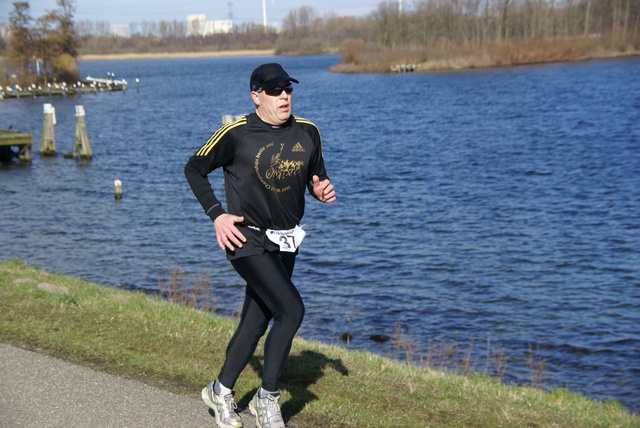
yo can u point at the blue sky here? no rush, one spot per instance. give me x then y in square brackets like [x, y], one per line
[126, 11]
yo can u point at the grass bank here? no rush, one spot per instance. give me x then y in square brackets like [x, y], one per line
[180, 349]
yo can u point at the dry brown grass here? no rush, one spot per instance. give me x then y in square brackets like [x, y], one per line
[358, 58]
[450, 356]
[198, 295]
[135, 55]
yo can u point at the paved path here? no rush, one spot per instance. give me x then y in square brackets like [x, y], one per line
[41, 391]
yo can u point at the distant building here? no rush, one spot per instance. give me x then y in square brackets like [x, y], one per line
[5, 29]
[197, 25]
[120, 30]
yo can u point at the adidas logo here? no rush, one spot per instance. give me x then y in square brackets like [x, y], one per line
[297, 148]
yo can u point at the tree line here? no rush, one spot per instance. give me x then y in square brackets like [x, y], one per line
[426, 29]
[507, 31]
[426, 23]
[479, 22]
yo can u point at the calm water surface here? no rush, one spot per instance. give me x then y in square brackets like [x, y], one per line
[492, 210]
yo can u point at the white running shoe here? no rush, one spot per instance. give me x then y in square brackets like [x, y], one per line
[223, 406]
[267, 411]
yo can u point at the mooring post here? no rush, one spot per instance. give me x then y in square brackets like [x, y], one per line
[228, 118]
[24, 154]
[81, 146]
[117, 189]
[47, 139]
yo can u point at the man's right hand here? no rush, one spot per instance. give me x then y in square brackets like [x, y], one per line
[227, 233]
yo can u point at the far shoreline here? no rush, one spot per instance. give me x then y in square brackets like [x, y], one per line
[434, 65]
[160, 55]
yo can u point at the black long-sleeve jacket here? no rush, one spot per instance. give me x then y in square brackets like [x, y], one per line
[266, 171]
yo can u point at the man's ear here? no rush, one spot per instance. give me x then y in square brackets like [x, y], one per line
[256, 98]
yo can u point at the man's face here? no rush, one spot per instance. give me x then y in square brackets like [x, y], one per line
[271, 108]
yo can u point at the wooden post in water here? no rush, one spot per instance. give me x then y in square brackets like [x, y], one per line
[117, 189]
[47, 139]
[81, 147]
[228, 118]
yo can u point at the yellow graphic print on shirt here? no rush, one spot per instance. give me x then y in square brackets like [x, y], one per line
[279, 169]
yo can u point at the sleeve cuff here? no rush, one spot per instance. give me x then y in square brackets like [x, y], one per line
[215, 211]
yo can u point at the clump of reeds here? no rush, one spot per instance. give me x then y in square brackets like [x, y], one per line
[450, 356]
[198, 295]
[538, 372]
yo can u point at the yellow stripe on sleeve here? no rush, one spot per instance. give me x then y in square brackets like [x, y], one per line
[303, 120]
[217, 136]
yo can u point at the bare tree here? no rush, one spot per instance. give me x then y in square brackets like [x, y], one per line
[149, 28]
[587, 16]
[300, 22]
[85, 28]
[163, 29]
[387, 23]
[103, 28]
[133, 28]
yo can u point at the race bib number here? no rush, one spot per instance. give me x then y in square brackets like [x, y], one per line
[287, 240]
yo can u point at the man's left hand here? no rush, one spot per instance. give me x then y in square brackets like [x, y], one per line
[323, 190]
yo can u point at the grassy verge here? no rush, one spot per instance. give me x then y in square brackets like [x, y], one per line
[180, 349]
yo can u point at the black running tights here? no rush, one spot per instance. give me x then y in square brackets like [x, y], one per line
[270, 294]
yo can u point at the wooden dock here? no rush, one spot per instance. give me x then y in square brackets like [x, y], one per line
[19, 139]
[90, 85]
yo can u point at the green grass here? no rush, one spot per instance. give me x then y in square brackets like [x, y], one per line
[181, 349]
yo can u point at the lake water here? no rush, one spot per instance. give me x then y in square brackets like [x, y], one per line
[489, 211]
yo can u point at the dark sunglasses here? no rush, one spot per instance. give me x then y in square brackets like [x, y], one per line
[277, 90]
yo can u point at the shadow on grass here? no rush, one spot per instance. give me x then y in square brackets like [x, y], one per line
[302, 371]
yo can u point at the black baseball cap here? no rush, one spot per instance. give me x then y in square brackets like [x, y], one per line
[268, 76]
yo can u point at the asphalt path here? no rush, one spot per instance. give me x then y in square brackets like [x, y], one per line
[40, 391]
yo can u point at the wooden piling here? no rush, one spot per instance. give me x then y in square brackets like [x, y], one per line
[228, 118]
[81, 147]
[47, 139]
[117, 189]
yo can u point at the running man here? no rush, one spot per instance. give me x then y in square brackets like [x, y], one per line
[269, 158]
